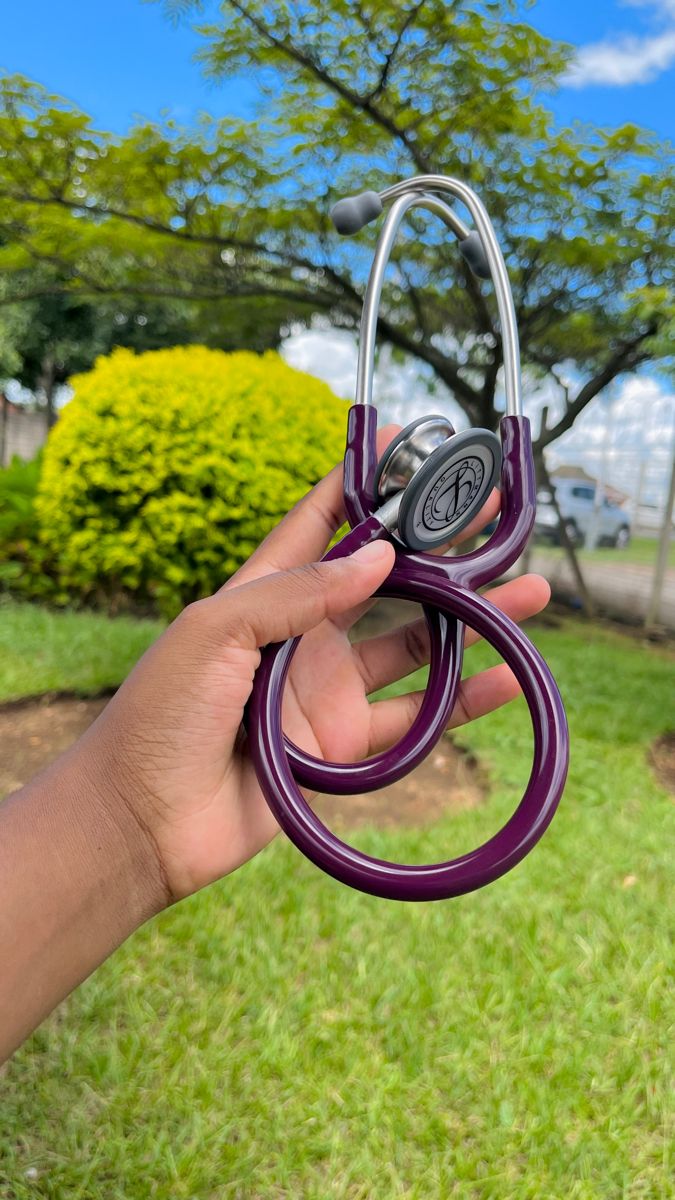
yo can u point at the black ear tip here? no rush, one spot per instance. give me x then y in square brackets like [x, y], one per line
[352, 213]
[474, 255]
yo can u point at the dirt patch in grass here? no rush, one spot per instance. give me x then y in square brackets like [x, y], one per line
[34, 733]
[448, 779]
[662, 758]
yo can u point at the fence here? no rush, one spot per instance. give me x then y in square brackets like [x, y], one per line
[21, 432]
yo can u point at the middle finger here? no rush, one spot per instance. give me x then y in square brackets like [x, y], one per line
[391, 656]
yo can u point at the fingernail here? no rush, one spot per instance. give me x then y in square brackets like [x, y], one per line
[370, 553]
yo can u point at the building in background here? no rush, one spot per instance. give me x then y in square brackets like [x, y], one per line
[22, 430]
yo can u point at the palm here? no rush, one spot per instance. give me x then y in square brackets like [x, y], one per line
[213, 814]
[192, 764]
[326, 709]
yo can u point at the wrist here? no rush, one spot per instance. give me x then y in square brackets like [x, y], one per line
[79, 876]
[115, 840]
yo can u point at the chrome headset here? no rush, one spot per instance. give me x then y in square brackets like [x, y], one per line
[429, 485]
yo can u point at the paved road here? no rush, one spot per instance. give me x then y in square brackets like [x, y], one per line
[622, 589]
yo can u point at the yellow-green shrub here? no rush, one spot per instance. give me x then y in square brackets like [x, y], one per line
[166, 469]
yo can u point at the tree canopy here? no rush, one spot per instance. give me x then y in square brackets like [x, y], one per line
[354, 94]
[59, 332]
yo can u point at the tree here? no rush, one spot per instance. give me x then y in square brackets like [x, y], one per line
[47, 339]
[57, 335]
[354, 94]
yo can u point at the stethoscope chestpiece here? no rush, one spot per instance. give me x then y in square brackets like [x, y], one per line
[449, 489]
[406, 453]
[441, 478]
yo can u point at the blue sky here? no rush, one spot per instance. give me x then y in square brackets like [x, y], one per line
[123, 58]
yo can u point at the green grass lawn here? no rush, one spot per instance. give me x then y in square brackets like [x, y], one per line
[640, 550]
[46, 651]
[280, 1036]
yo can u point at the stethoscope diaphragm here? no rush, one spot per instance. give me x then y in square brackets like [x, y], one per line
[449, 489]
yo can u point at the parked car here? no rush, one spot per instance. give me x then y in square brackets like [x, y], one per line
[576, 501]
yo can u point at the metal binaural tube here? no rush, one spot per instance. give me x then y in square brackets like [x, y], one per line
[500, 277]
[371, 301]
[415, 192]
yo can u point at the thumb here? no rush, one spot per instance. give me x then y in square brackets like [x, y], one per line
[289, 603]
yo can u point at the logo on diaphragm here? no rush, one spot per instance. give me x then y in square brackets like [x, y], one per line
[453, 493]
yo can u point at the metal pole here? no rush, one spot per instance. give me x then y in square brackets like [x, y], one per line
[635, 507]
[600, 482]
[4, 417]
[654, 609]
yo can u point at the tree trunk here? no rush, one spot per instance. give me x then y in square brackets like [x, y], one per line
[654, 609]
[570, 553]
[47, 383]
[4, 417]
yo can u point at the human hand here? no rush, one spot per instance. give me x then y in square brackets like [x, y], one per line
[169, 752]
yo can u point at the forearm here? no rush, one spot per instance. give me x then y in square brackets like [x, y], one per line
[77, 875]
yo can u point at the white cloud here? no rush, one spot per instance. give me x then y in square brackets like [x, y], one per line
[632, 423]
[328, 354]
[400, 391]
[622, 62]
[626, 435]
[663, 8]
[627, 58]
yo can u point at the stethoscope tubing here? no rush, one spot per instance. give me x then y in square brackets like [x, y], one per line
[445, 669]
[446, 637]
[445, 588]
[469, 871]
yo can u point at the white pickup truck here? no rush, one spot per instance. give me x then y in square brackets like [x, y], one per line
[576, 500]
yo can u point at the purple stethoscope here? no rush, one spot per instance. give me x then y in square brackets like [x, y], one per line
[428, 486]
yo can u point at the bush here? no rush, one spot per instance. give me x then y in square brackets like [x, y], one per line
[18, 522]
[167, 468]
